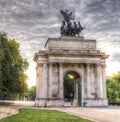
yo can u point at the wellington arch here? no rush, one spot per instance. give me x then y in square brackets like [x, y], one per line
[70, 55]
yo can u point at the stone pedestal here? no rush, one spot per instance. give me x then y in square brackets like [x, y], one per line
[70, 54]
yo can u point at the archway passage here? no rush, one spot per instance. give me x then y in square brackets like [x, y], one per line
[72, 88]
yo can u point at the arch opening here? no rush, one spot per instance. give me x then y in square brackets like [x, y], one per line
[72, 88]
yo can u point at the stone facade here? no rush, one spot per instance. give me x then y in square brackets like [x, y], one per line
[63, 55]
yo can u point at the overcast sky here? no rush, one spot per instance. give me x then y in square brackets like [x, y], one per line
[31, 22]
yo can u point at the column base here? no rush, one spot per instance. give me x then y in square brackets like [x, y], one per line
[75, 102]
[96, 103]
[60, 103]
[49, 103]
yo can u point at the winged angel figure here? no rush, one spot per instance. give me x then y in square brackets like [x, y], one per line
[67, 16]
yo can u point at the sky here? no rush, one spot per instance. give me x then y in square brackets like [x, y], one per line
[32, 22]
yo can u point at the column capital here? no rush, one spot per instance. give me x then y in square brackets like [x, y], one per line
[40, 64]
[50, 64]
[60, 64]
[45, 65]
[99, 64]
[88, 64]
[103, 65]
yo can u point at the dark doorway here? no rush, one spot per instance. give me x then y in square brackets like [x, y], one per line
[68, 87]
[72, 87]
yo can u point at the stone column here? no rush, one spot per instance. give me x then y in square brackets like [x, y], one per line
[88, 82]
[60, 81]
[104, 81]
[75, 102]
[76, 83]
[50, 81]
[45, 74]
[75, 90]
[99, 81]
[39, 81]
[83, 83]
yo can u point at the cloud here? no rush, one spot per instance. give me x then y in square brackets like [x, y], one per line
[31, 22]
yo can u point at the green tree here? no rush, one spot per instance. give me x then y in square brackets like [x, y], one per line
[13, 80]
[32, 93]
[113, 88]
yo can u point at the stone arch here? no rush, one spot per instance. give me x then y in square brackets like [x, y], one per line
[65, 70]
[77, 84]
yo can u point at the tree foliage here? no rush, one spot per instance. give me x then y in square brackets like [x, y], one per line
[12, 68]
[113, 88]
[32, 93]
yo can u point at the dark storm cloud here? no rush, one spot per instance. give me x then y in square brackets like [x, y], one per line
[31, 22]
[102, 20]
[104, 14]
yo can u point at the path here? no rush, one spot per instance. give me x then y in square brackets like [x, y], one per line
[7, 111]
[110, 114]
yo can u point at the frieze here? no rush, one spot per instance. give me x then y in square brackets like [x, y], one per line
[55, 66]
[81, 55]
[68, 38]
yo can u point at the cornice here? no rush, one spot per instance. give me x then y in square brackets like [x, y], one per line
[88, 54]
[103, 56]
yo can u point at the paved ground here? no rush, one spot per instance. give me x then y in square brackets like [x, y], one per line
[7, 111]
[110, 114]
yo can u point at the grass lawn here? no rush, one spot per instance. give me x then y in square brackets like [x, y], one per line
[40, 115]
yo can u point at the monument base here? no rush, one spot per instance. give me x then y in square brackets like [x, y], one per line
[96, 103]
[49, 103]
[61, 103]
